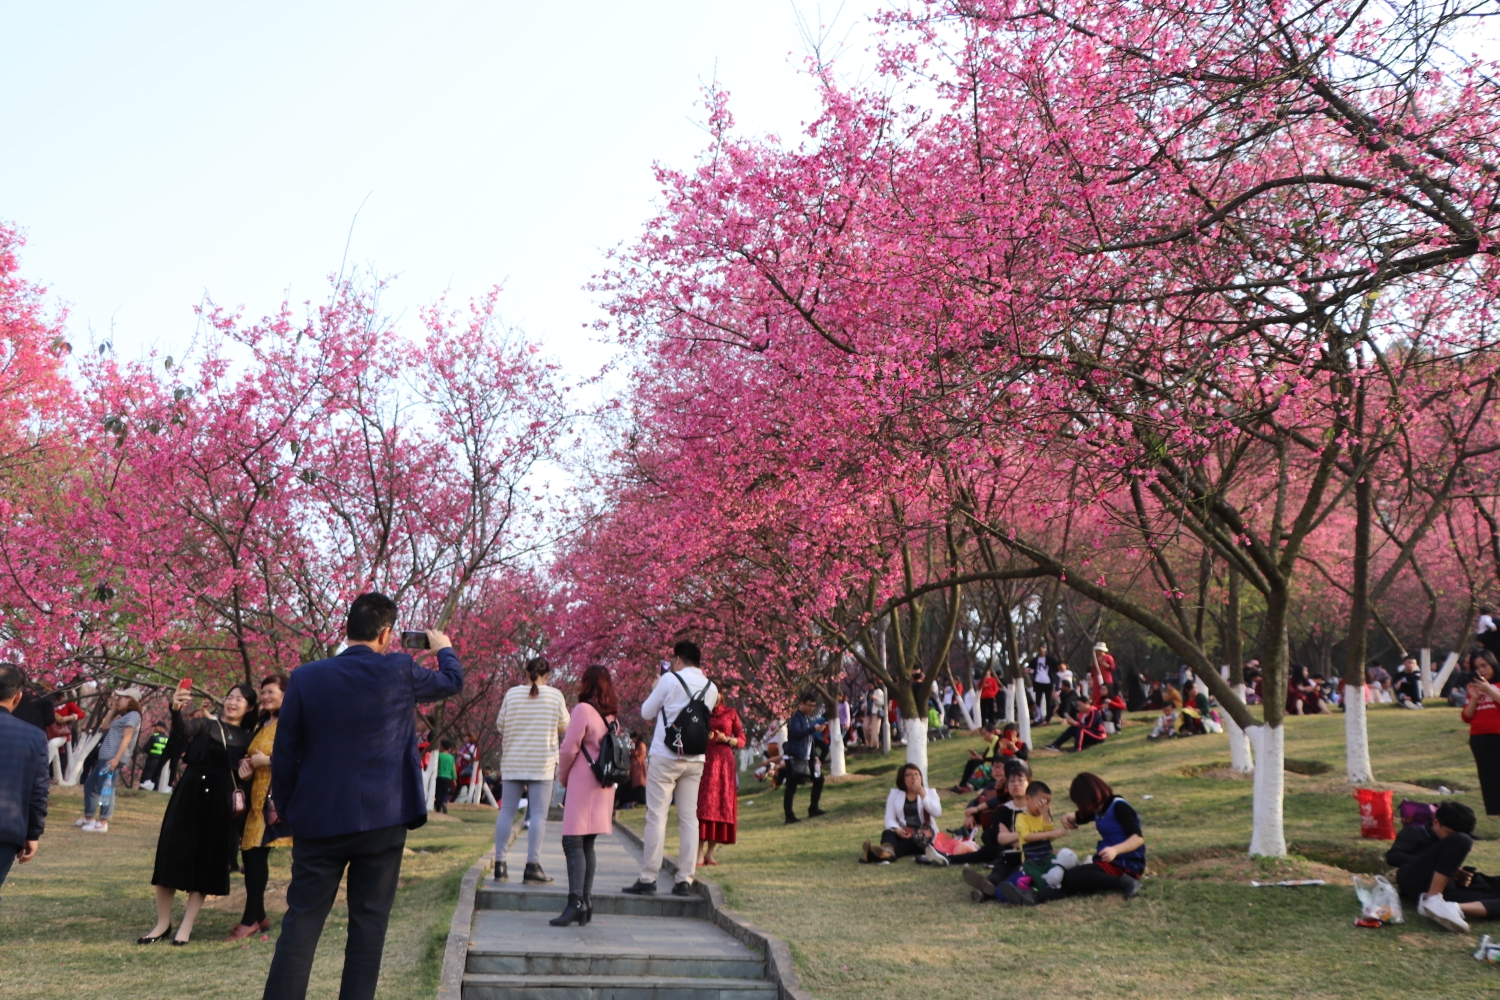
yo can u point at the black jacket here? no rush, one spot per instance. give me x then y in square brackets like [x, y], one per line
[24, 780]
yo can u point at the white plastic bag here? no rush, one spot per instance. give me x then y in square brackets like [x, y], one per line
[1378, 899]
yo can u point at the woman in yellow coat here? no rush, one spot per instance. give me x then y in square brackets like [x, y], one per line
[254, 847]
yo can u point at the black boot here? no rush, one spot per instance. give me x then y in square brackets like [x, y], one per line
[533, 874]
[500, 873]
[588, 910]
[573, 913]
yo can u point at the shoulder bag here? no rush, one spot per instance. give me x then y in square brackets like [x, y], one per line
[238, 805]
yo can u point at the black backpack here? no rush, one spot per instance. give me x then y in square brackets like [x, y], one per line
[688, 733]
[613, 765]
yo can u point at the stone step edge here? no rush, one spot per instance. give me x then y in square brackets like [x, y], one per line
[667, 982]
[780, 968]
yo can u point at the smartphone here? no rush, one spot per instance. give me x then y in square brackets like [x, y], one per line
[415, 640]
[186, 684]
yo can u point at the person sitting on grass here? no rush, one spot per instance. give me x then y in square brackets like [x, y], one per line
[911, 812]
[1166, 725]
[1112, 704]
[1119, 858]
[1010, 743]
[988, 754]
[1429, 869]
[991, 818]
[1037, 831]
[1008, 854]
[1085, 728]
[1409, 684]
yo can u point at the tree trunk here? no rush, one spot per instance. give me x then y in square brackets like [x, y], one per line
[915, 730]
[1017, 701]
[835, 745]
[1268, 836]
[1241, 758]
[1356, 733]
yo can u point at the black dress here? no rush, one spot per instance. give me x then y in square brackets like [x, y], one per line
[200, 834]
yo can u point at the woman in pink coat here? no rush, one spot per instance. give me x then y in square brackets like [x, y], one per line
[589, 808]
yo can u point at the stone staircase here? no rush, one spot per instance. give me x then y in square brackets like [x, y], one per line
[659, 947]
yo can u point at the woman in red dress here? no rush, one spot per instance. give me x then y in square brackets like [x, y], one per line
[718, 804]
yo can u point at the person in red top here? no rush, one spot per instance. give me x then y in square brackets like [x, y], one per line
[1102, 673]
[1482, 713]
[989, 693]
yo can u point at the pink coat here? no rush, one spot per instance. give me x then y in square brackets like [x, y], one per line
[589, 808]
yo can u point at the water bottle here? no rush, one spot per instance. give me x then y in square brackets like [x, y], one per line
[107, 795]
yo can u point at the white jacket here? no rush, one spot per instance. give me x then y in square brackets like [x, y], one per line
[928, 805]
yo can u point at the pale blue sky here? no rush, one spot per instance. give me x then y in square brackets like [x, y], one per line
[153, 152]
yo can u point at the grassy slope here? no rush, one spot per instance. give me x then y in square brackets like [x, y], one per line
[902, 930]
[69, 920]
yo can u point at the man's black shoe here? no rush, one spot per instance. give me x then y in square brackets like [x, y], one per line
[815, 811]
[976, 878]
[641, 888]
[792, 819]
[682, 889]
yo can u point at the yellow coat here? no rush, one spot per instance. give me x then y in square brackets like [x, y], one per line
[260, 786]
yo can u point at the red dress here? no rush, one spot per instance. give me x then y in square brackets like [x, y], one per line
[718, 805]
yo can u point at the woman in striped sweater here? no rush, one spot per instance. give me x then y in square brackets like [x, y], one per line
[531, 720]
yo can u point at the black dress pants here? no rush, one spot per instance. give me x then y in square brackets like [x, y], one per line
[790, 791]
[373, 858]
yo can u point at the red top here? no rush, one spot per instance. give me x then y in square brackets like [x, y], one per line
[989, 687]
[1486, 719]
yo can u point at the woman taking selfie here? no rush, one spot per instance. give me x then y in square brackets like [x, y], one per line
[200, 831]
[589, 808]
[255, 849]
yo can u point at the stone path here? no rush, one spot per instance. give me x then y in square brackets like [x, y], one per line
[636, 948]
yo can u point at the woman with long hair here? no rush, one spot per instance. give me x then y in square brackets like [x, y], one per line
[718, 793]
[121, 726]
[1482, 713]
[589, 808]
[196, 849]
[255, 848]
[532, 718]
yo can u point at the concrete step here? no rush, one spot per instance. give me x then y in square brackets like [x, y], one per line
[493, 895]
[514, 942]
[494, 987]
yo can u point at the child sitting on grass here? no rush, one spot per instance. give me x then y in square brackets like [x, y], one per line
[1037, 831]
[1010, 744]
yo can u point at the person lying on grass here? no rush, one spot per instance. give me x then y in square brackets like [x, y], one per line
[1429, 864]
[1119, 859]
[911, 812]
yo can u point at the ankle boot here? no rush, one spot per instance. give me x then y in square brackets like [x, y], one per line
[573, 913]
[588, 910]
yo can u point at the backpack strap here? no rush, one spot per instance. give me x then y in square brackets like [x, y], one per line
[609, 727]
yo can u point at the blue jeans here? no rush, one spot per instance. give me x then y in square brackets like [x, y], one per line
[92, 786]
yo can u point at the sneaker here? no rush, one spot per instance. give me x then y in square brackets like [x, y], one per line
[95, 827]
[1443, 912]
[933, 857]
[533, 873]
[85, 821]
[1131, 885]
[641, 888]
[682, 889]
[1021, 897]
[981, 885]
[921, 859]
[148, 786]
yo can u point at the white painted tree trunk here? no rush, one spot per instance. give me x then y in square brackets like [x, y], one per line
[76, 757]
[835, 747]
[1425, 662]
[1442, 677]
[885, 734]
[916, 744]
[1268, 836]
[1241, 758]
[1019, 711]
[1356, 736]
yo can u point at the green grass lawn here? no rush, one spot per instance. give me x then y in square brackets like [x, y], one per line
[1197, 929]
[69, 919]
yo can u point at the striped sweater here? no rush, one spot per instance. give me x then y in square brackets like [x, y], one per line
[529, 729]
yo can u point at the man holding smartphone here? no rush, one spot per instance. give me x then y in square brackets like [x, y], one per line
[346, 776]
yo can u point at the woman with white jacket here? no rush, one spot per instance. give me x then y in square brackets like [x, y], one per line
[911, 812]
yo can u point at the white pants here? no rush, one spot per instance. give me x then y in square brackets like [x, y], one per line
[665, 775]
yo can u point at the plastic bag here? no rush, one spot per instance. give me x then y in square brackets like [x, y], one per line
[1375, 819]
[1420, 813]
[1378, 899]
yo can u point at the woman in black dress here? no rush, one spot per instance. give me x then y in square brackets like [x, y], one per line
[200, 833]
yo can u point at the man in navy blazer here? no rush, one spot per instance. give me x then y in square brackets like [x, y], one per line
[346, 776]
[25, 782]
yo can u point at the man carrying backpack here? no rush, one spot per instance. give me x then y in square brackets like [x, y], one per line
[680, 703]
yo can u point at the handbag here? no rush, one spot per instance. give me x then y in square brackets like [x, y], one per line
[798, 768]
[275, 827]
[238, 804]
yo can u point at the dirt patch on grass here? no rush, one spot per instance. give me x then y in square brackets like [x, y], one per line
[1240, 869]
[849, 779]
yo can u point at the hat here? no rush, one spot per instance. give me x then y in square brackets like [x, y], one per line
[130, 692]
[1100, 647]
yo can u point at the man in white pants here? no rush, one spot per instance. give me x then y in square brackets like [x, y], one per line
[669, 772]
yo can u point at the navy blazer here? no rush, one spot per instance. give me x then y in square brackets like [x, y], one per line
[345, 759]
[25, 781]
